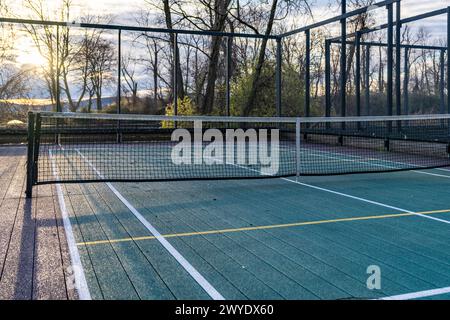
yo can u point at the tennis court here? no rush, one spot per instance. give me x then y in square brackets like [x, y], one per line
[306, 237]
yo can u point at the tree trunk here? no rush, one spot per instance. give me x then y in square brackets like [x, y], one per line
[89, 108]
[259, 65]
[220, 9]
[380, 73]
[98, 98]
[155, 78]
[169, 25]
[135, 89]
[197, 80]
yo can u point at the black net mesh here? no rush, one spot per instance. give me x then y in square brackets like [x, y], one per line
[73, 150]
[374, 146]
[125, 148]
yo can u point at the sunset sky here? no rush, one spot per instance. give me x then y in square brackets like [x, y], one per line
[125, 10]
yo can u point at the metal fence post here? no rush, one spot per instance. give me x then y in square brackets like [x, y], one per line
[119, 80]
[175, 74]
[398, 59]
[343, 62]
[405, 83]
[119, 70]
[367, 80]
[448, 59]
[278, 77]
[228, 74]
[58, 88]
[298, 145]
[327, 79]
[442, 81]
[390, 62]
[358, 74]
[307, 72]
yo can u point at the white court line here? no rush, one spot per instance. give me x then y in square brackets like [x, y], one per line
[432, 174]
[419, 294]
[347, 195]
[210, 290]
[78, 272]
[352, 197]
[366, 200]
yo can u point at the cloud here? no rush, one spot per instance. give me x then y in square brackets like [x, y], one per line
[125, 14]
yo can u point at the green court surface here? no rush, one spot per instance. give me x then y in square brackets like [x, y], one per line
[313, 238]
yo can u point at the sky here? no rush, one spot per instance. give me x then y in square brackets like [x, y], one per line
[126, 11]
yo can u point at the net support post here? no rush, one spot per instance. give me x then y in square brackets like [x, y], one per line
[297, 146]
[307, 72]
[36, 144]
[278, 77]
[30, 157]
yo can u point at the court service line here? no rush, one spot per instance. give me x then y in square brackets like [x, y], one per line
[77, 267]
[265, 227]
[419, 294]
[209, 289]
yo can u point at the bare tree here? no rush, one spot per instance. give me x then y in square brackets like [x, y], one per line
[129, 74]
[46, 40]
[282, 7]
[100, 55]
[220, 16]
[179, 87]
[261, 58]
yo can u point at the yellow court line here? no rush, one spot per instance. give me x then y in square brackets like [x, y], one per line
[275, 226]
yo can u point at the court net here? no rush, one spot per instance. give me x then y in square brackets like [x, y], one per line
[76, 148]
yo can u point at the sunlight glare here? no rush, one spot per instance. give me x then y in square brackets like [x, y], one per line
[27, 54]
